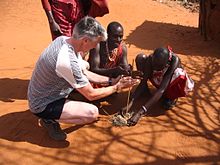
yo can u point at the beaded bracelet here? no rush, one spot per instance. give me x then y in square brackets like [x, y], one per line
[144, 109]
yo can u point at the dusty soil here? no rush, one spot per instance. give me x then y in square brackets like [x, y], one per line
[192, 5]
[188, 134]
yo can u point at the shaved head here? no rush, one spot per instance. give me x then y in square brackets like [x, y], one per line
[160, 58]
[113, 26]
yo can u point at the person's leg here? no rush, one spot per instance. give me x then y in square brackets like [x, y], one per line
[169, 103]
[66, 111]
[48, 119]
[179, 86]
[170, 96]
[77, 112]
[53, 128]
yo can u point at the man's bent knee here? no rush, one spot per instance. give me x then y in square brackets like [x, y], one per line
[92, 115]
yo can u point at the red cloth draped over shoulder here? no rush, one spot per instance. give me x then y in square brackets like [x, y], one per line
[98, 8]
[47, 6]
[115, 57]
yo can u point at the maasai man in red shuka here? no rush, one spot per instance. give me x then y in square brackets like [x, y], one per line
[109, 58]
[64, 14]
[163, 69]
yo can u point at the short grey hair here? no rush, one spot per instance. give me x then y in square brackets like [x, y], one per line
[89, 27]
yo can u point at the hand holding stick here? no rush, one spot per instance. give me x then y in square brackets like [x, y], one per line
[129, 91]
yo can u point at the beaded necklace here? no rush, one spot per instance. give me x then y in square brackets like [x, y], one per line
[111, 54]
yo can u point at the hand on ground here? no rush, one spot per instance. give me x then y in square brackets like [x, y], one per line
[134, 119]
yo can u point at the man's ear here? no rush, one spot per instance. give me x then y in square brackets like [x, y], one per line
[85, 40]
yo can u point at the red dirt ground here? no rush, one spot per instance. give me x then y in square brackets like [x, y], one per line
[188, 134]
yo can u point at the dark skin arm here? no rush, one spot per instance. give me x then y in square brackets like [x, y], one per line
[95, 61]
[140, 90]
[157, 95]
[54, 27]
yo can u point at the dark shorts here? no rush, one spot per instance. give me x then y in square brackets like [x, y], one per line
[53, 110]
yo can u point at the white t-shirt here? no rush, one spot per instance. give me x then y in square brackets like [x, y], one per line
[58, 71]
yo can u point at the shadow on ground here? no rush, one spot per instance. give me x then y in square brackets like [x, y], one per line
[97, 143]
[184, 39]
[23, 127]
[13, 89]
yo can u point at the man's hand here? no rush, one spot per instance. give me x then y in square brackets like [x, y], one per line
[136, 116]
[55, 28]
[116, 80]
[137, 74]
[134, 119]
[121, 71]
[126, 82]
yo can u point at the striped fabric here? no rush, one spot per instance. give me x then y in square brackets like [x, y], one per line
[57, 72]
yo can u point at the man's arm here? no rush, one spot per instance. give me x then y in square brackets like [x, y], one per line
[94, 94]
[141, 88]
[95, 61]
[79, 79]
[53, 25]
[96, 78]
[99, 79]
[47, 8]
[164, 84]
[124, 61]
[97, 93]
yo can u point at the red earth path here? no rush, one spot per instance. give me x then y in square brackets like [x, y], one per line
[188, 134]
